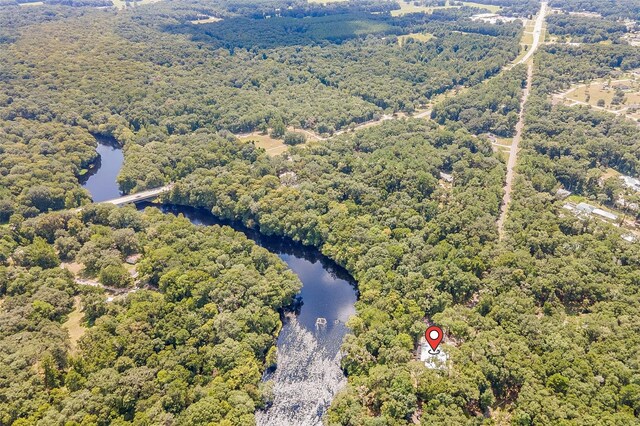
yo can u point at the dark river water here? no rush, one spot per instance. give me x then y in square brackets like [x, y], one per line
[308, 373]
[100, 180]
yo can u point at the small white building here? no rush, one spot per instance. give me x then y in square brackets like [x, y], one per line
[432, 360]
[630, 238]
[562, 193]
[631, 182]
[446, 177]
[605, 214]
[585, 208]
[492, 18]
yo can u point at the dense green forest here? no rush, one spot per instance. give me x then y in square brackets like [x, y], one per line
[574, 278]
[39, 165]
[542, 327]
[564, 65]
[609, 8]
[136, 72]
[586, 30]
[490, 107]
[190, 352]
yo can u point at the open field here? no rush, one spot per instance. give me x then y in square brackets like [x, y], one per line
[32, 3]
[407, 7]
[74, 267]
[325, 1]
[272, 146]
[415, 36]
[597, 92]
[611, 173]
[74, 325]
[207, 20]
[123, 4]
[489, 7]
[503, 146]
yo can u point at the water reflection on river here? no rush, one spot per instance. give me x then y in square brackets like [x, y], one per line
[100, 180]
[308, 374]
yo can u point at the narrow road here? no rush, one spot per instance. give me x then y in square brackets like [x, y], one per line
[537, 33]
[139, 196]
[537, 36]
[513, 155]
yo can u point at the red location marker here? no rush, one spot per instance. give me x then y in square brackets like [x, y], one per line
[433, 336]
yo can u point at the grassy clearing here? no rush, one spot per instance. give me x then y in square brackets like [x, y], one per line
[32, 3]
[407, 7]
[603, 91]
[123, 4]
[489, 7]
[423, 37]
[74, 267]
[74, 325]
[272, 146]
[207, 20]
[505, 154]
[326, 1]
[610, 173]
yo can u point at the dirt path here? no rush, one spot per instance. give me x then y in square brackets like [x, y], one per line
[513, 155]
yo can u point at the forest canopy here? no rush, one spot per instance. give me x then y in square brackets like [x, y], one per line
[409, 207]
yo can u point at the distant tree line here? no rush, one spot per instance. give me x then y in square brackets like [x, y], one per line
[587, 30]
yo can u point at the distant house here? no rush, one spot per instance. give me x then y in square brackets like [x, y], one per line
[492, 18]
[605, 214]
[621, 202]
[133, 259]
[631, 182]
[630, 238]
[446, 177]
[623, 87]
[562, 193]
[585, 208]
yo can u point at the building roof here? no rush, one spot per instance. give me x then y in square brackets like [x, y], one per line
[605, 214]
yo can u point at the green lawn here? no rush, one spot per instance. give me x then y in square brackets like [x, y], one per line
[407, 7]
[491, 8]
[423, 37]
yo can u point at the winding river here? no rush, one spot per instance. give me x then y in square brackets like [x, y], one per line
[308, 373]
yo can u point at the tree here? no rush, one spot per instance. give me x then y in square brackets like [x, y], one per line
[278, 128]
[115, 276]
[39, 253]
[294, 138]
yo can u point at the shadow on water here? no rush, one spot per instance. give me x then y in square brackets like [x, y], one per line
[328, 290]
[308, 373]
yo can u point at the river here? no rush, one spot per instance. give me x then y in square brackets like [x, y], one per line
[308, 373]
[100, 180]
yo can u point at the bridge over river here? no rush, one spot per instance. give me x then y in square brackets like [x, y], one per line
[138, 196]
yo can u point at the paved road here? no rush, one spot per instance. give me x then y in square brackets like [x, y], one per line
[537, 36]
[537, 33]
[513, 155]
[139, 196]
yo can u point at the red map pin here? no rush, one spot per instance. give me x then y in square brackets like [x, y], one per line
[433, 336]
